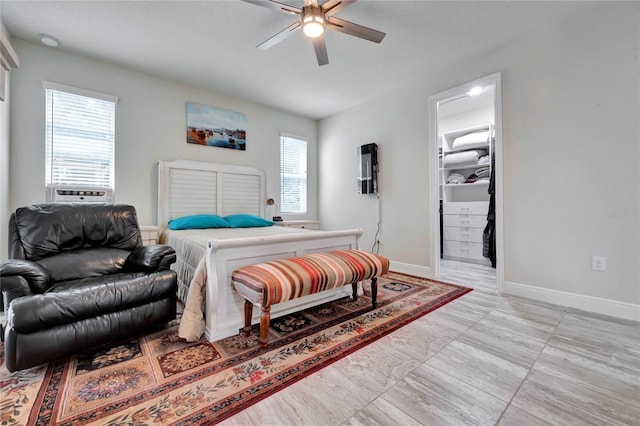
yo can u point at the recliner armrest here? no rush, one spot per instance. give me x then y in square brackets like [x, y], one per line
[151, 258]
[35, 274]
[21, 278]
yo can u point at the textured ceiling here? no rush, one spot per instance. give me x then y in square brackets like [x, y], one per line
[211, 44]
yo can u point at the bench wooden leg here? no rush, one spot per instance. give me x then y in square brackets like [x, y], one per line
[248, 313]
[354, 287]
[265, 319]
[374, 291]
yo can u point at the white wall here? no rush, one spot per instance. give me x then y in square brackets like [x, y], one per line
[4, 158]
[571, 140]
[5, 209]
[150, 126]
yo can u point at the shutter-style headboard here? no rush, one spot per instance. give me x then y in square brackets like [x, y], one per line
[188, 187]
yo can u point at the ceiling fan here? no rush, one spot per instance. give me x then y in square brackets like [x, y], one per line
[314, 18]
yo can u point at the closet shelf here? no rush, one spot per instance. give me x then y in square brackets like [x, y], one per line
[471, 167]
[453, 151]
[453, 185]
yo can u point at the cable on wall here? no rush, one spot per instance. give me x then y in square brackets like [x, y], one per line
[376, 241]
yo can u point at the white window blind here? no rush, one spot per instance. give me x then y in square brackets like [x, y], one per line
[293, 175]
[80, 137]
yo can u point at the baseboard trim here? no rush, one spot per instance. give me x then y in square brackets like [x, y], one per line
[614, 308]
[407, 268]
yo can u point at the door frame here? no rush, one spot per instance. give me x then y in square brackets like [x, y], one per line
[434, 175]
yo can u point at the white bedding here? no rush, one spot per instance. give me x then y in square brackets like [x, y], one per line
[190, 246]
[463, 159]
[471, 140]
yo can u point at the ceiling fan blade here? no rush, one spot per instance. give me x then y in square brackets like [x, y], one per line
[280, 7]
[272, 41]
[334, 6]
[321, 50]
[355, 29]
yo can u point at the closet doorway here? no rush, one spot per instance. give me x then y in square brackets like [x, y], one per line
[466, 184]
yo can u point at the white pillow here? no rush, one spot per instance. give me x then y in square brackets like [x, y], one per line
[471, 140]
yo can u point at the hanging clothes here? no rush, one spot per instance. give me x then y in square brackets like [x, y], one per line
[489, 233]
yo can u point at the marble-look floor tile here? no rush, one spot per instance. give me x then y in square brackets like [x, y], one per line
[516, 417]
[275, 411]
[622, 357]
[481, 299]
[564, 403]
[446, 320]
[479, 369]
[376, 367]
[602, 318]
[504, 342]
[600, 332]
[524, 326]
[323, 398]
[458, 316]
[608, 376]
[473, 303]
[540, 312]
[419, 340]
[479, 277]
[469, 310]
[435, 398]
[381, 413]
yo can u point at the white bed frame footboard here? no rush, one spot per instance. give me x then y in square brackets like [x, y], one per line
[190, 187]
[225, 308]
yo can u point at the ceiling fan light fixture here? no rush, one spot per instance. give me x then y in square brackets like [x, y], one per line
[313, 23]
[314, 19]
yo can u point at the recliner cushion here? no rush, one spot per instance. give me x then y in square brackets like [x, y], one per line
[47, 229]
[84, 263]
[71, 301]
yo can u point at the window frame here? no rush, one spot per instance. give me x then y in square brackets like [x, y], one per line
[305, 191]
[48, 121]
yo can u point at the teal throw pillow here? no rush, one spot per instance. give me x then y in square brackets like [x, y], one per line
[198, 221]
[246, 221]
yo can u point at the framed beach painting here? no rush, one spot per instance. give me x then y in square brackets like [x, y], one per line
[211, 126]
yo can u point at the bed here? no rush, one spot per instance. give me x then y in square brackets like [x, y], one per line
[207, 257]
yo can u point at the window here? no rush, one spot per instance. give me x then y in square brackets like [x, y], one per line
[293, 174]
[79, 137]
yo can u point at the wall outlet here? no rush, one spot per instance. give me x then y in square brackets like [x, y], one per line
[598, 263]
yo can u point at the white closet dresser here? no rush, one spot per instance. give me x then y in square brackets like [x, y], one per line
[463, 224]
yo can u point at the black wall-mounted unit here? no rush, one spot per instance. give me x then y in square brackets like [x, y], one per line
[368, 169]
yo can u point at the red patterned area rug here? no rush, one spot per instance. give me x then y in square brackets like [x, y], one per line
[160, 379]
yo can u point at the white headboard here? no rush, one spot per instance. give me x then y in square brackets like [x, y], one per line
[188, 187]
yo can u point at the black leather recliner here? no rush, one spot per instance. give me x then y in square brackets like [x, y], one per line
[79, 277]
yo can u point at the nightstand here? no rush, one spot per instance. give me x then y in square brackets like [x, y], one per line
[304, 224]
[149, 235]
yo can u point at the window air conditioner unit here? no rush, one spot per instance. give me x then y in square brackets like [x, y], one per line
[69, 194]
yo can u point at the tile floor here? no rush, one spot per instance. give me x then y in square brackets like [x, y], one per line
[482, 359]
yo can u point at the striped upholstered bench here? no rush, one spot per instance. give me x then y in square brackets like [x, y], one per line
[277, 281]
